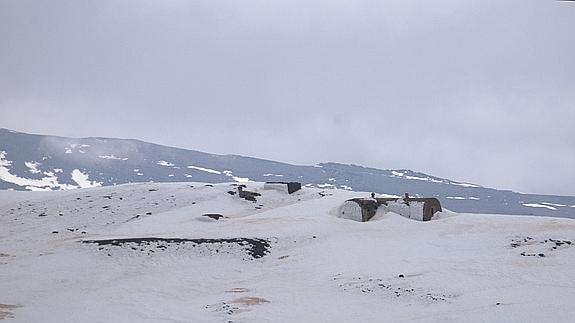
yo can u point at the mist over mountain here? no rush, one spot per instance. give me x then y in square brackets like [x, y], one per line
[37, 162]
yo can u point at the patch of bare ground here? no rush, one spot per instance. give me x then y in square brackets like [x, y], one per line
[238, 290]
[250, 301]
[5, 311]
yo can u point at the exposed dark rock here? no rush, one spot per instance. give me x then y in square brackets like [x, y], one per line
[213, 216]
[257, 248]
[292, 187]
[247, 195]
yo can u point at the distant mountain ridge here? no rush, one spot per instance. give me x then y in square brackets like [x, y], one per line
[38, 162]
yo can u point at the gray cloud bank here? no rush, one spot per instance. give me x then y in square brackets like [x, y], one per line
[474, 91]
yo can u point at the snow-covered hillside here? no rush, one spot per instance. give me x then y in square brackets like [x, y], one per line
[146, 252]
[46, 163]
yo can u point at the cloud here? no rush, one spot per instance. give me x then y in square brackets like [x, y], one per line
[480, 92]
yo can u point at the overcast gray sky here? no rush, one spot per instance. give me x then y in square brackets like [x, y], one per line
[479, 91]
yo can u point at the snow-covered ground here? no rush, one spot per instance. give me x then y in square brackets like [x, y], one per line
[284, 258]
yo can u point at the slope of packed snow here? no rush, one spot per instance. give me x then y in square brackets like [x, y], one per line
[145, 252]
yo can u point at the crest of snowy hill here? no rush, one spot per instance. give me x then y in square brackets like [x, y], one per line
[46, 163]
[195, 252]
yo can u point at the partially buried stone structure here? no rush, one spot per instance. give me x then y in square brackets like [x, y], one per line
[363, 209]
[288, 187]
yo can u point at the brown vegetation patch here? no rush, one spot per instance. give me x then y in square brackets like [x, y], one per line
[4, 313]
[249, 301]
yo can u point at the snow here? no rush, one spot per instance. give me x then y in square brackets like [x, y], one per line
[269, 174]
[207, 170]
[466, 185]
[46, 183]
[33, 167]
[325, 185]
[69, 149]
[553, 204]
[418, 178]
[38, 189]
[112, 157]
[429, 179]
[400, 174]
[165, 163]
[462, 198]
[241, 179]
[82, 179]
[320, 268]
[539, 206]
[58, 170]
[229, 173]
[345, 187]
